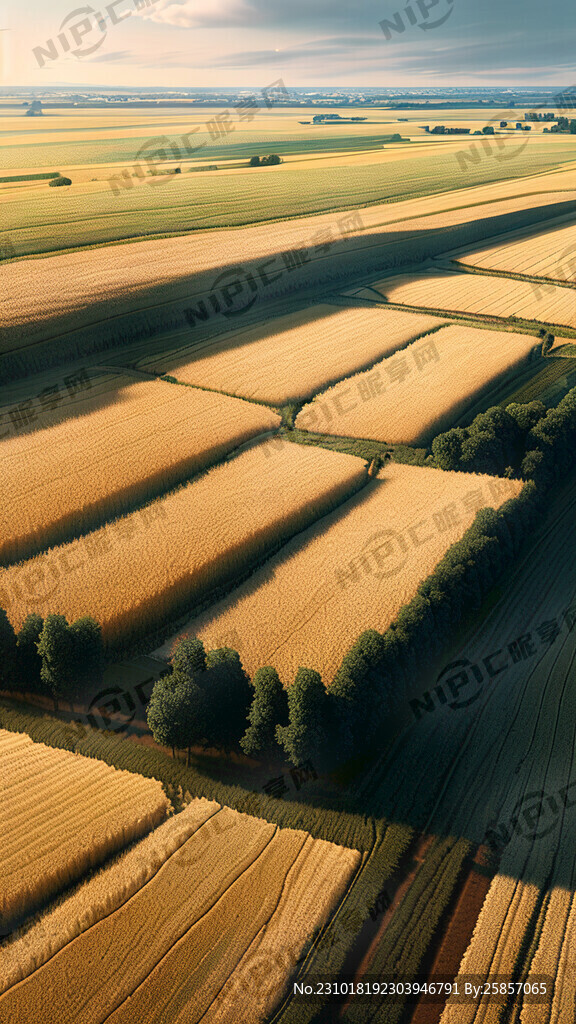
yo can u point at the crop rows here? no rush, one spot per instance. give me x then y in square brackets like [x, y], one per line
[549, 255]
[118, 449]
[62, 814]
[351, 572]
[232, 903]
[400, 952]
[134, 574]
[480, 293]
[413, 395]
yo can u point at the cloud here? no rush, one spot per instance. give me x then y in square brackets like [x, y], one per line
[119, 56]
[201, 13]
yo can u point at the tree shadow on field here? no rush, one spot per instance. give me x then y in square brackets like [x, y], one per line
[203, 303]
[491, 760]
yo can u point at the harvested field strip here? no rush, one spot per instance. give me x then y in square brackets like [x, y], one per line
[365, 561]
[135, 574]
[62, 814]
[117, 451]
[133, 960]
[352, 924]
[456, 934]
[506, 914]
[414, 395]
[555, 957]
[474, 293]
[549, 255]
[291, 357]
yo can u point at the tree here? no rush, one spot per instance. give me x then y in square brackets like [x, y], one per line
[254, 161]
[7, 652]
[229, 696]
[28, 660]
[272, 159]
[177, 713]
[56, 182]
[547, 344]
[482, 453]
[189, 657]
[304, 737]
[55, 647]
[162, 716]
[269, 709]
[87, 652]
[526, 414]
[190, 707]
[447, 448]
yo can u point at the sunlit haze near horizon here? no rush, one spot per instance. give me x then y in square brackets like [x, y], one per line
[193, 43]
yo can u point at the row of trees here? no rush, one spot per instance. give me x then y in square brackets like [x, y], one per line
[522, 440]
[51, 657]
[564, 125]
[265, 161]
[197, 705]
[495, 442]
[209, 701]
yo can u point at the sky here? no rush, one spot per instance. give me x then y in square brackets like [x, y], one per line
[248, 43]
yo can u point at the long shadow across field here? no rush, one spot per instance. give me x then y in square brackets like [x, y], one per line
[209, 299]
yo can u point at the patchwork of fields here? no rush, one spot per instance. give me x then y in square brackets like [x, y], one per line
[61, 814]
[118, 449]
[410, 397]
[97, 212]
[96, 299]
[161, 940]
[305, 351]
[137, 572]
[417, 622]
[353, 571]
[471, 293]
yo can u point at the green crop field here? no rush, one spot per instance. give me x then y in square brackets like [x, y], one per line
[95, 214]
[123, 150]
[557, 371]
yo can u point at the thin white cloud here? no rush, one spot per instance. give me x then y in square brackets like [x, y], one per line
[201, 13]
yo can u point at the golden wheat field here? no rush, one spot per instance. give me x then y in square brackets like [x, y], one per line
[61, 814]
[51, 295]
[418, 392]
[479, 293]
[136, 571]
[289, 358]
[551, 255]
[103, 892]
[352, 572]
[213, 935]
[116, 450]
